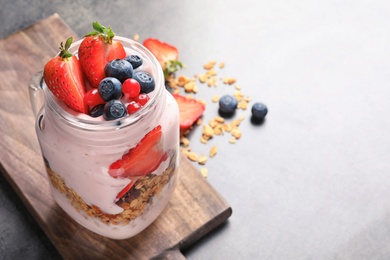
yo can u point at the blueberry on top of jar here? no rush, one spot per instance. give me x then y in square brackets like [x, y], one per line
[114, 109]
[97, 110]
[120, 69]
[110, 88]
[134, 60]
[145, 80]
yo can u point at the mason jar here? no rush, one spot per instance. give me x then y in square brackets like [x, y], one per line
[79, 153]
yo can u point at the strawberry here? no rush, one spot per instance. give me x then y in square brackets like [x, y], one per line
[65, 79]
[92, 98]
[190, 110]
[166, 54]
[96, 50]
[125, 190]
[141, 160]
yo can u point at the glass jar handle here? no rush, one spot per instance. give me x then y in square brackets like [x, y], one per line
[35, 91]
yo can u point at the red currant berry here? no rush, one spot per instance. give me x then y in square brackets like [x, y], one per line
[131, 88]
[92, 98]
[133, 107]
[141, 99]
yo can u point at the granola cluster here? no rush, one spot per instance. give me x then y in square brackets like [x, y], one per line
[217, 126]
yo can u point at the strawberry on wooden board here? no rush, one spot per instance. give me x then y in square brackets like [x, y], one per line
[165, 53]
[65, 79]
[190, 110]
[143, 159]
[96, 50]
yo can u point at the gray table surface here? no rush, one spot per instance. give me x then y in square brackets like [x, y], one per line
[312, 181]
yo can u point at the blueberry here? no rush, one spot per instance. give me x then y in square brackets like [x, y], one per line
[97, 110]
[120, 69]
[110, 88]
[227, 104]
[134, 60]
[259, 110]
[114, 109]
[145, 80]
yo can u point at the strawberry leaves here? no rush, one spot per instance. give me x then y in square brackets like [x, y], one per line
[172, 66]
[64, 50]
[100, 30]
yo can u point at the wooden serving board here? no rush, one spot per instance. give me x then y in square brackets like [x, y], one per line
[194, 210]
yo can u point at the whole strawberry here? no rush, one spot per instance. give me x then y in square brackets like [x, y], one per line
[96, 50]
[64, 77]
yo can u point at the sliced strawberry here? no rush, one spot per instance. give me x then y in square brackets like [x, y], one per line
[125, 190]
[161, 50]
[142, 159]
[165, 53]
[190, 110]
[92, 98]
[64, 77]
[96, 50]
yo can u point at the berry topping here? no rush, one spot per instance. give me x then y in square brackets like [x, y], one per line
[145, 80]
[190, 110]
[134, 60]
[96, 50]
[143, 159]
[228, 104]
[114, 109]
[131, 88]
[92, 98]
[120, 69]
[133, 107]
[166, 54]
[259, 110]
[110, 88]
[141, 99]
[97, 110]
[64, 77]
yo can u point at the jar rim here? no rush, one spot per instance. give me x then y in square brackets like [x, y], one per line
[107, 125]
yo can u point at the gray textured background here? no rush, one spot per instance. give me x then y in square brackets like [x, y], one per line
[312, 181]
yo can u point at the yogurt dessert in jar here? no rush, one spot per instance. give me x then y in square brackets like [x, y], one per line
[109, 134]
